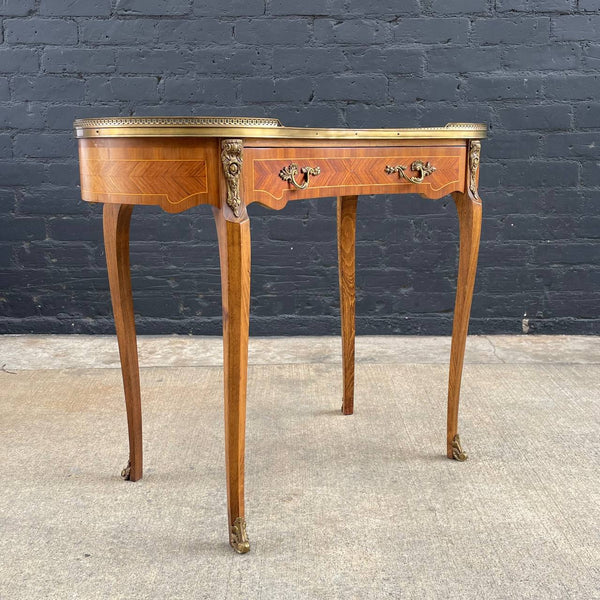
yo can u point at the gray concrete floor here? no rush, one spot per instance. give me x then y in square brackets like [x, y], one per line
[29, 352]
[364, 506]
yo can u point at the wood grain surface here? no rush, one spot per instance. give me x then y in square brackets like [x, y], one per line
[346, 237]
[174, 174]
[234, 253]
[468, 206]
[352, 171]
[116, 221]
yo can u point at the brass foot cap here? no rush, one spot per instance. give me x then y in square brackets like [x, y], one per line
[238, 538]
[240, 548]
[457, 452]
[126, 472]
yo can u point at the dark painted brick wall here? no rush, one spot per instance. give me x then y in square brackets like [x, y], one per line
[529, 68]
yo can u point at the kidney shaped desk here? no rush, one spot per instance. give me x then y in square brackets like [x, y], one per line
[228, 163]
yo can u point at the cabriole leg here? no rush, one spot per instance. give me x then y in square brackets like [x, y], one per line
[116, 220]
[469, 216]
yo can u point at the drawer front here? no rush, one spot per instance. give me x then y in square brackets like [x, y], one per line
[279, 173]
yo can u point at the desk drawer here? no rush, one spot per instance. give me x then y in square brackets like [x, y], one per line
[281, 173]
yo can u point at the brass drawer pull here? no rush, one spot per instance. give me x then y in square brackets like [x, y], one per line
[289, 174]
[424, 169]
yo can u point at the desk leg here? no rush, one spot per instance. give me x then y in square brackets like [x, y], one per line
[117, 218]
[234, 252]
[346, 236]
[469, 216]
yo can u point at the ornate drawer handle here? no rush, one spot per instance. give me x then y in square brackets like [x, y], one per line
[424, 169]
[289, 174]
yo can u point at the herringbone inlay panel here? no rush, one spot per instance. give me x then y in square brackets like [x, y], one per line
[355, 171]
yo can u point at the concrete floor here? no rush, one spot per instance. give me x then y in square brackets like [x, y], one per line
[338, 507]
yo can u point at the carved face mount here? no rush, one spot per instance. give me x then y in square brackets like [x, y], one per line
[231, 158]
[474, 154]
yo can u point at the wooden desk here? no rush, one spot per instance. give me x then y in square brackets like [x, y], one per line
[178, 163]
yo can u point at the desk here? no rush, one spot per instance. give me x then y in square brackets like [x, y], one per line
[228, 163]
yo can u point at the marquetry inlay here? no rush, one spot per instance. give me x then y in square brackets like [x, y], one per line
[174, 180]
[362, 169]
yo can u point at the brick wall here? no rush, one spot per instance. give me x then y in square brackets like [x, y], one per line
[529, 68]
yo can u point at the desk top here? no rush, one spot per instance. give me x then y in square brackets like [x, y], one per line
[257, 127]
